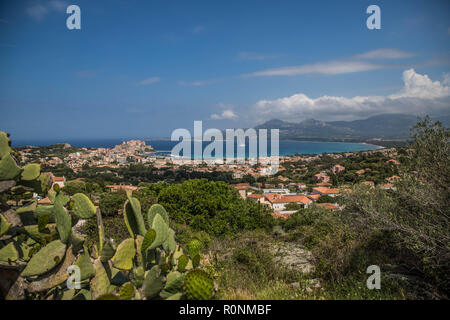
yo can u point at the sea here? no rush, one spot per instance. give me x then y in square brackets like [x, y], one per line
[163, 147]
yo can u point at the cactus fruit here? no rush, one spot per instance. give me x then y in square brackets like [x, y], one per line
[196, 261]
[123, 258]
[63, 222]
[56, 188]
[42, 222]
[182, 262]
[31, 172]
[154, 210]
[194, 246]
[45, 259]
[198, 285]
[44, 210]
[83, 207]
[162, 231]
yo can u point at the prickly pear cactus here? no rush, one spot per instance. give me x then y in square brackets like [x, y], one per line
[46, 259]
[83, 207]
[199, 285]
[40, 243]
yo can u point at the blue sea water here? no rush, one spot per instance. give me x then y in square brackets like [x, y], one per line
[286, 147]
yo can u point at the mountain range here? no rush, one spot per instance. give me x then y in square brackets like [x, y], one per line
[379, 127]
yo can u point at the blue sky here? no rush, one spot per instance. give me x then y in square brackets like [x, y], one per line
[144, 68]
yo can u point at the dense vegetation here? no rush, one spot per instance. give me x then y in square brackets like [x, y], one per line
[404, 230]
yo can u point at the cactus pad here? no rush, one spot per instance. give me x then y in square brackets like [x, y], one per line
[45, 259]
[194, 246]
[123, 258]
[31, 171]
[154, 210]
[198, 285]
[83, 206]
[63, 222]
[162, 231]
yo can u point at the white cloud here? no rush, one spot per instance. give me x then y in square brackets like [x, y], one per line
[197, 83]
[385, 53]
[225, 115]
[419, 95]
[446, 80]
[342, 66]
[150, 80]
[40, 10]
[329, 68]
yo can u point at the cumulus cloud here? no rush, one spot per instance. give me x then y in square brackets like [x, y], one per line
[40, 10]
[150, 80]
[225, 115]
[419, 95]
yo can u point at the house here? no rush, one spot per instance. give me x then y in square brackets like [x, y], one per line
[332, 192]
[59, 181]
[45, 201]
[337, 168]
[314, 197]
[242, 189]
[256, 197]
[278, 202]
[272, 190]
[321, 177]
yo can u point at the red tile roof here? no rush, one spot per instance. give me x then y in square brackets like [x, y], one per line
[279, 198]
[325, 190]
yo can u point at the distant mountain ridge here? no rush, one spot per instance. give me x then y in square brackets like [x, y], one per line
[383, 126]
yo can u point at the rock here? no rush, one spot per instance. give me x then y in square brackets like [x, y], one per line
[12, 286]
[6, 185]
[78, 227]
[294, 256]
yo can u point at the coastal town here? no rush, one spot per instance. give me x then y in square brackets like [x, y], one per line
[302, 180]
